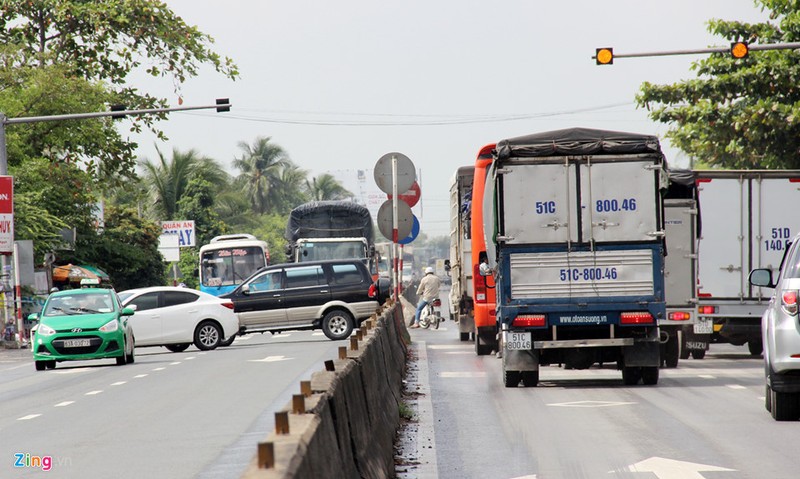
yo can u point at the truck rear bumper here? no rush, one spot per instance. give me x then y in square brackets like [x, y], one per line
[583, 343]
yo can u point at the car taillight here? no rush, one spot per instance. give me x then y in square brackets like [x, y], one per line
[479, 284]
[373, 291]
[529, 320]
[228, 304]
[437, 302]
[789, 302]
[707, 309]
[679, 316]
[637, 317]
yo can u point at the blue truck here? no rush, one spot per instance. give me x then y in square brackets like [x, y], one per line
[574, 221]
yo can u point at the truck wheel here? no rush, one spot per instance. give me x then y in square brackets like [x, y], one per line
[481, 349]
[337, 324]
[511, 378]
[785, 406]
[671, 352]
[650, 376]
[685, 352]
[768, 399]
[631, 375]
[464, 336]
[755, 347]
[530, 378]
[698, 353]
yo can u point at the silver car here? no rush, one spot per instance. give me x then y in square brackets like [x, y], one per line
[780, 331]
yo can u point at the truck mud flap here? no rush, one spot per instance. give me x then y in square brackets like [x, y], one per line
[642, 353]
[520, 360]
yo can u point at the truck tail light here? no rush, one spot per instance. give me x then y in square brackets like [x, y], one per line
[707, 309]
[679, 316]
[479, 284]
[529, 320]
[635, 317]
[789, 301]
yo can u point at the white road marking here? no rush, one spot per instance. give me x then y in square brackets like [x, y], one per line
[270, 359]
[139, 376]
[159, 369]
[706, 376]
[284, 336]
[591, 404]
[672, 469]
[318, 334]
[92, 393]
[29, 416]
[428, 466]
[736, 386]
[175, 363]
[65, 403]
[451, 346]
[462, 374]
[190, 357]
[69, 371]
[119, 383]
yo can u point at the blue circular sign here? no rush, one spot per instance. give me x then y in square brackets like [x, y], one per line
[414, 232]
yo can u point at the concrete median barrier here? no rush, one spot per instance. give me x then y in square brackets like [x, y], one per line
[345, 426]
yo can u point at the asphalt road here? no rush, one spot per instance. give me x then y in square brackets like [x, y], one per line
[168, 415]
[705, 419]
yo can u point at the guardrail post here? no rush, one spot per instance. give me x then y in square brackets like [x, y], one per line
[353, 343]
[329, 366]
[282, 422]
[298, 404]
[305, 388]
[266, 455]
[342, 352]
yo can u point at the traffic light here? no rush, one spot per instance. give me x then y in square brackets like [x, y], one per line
[118, 107]
[739, 49]
[604, 56]
[224, 105]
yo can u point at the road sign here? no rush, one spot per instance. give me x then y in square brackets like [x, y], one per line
[411, 196]
[405, 220]
[414, 232]
[6, 214]
[184, 229]
[406, 175]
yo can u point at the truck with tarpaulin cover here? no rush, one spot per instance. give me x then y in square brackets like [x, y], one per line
[323, 230]
[576, 226]
[461, 288]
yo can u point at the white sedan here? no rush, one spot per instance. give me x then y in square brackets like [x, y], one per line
[177, 317]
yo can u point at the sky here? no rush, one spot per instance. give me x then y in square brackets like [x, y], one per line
[340, 84]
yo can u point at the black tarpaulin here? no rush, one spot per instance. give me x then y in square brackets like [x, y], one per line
[576, 141]
[329, 219]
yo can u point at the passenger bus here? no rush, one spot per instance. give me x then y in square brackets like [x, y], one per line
[483, 287]
[228, 260]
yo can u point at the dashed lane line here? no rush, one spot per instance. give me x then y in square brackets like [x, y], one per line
[119, 383]
[139, 376]
[29, 416]
[93, 393]
[159, 369]
[65, 403]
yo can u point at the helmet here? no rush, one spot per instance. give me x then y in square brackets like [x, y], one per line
[428, 270]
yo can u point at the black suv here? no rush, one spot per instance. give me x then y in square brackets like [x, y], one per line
[333, 295]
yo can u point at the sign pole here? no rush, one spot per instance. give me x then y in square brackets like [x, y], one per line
[395, 221]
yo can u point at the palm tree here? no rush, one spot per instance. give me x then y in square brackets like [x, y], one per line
[261, 165]
[289, 191]
[326, 187]
[167, 179]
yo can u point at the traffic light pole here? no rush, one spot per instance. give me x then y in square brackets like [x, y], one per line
[770, 46]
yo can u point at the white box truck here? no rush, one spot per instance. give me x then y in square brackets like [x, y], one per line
[747, 221]
[461, 297]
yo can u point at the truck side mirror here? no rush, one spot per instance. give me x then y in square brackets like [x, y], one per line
[485, 270]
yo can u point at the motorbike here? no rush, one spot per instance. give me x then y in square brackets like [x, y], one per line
[430, 315]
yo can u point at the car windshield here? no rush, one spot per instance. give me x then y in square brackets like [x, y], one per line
[90, 303]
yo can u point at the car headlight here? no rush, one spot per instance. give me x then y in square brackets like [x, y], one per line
[45, 330]
[110, 326]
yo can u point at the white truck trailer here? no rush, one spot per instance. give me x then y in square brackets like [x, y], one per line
[747, 221]
[461, 306]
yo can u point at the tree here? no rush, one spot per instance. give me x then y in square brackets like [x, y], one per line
[326, 187]
[100, 44]
[261, 165]
[738, 113]
[167, 180]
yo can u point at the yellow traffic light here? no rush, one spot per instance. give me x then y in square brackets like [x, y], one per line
[739, 49]
[604, 56]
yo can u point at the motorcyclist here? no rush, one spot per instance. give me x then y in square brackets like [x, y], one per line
[428, 290]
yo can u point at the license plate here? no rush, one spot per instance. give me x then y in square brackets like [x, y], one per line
[518, 341]
[76, 343]
[704, 326]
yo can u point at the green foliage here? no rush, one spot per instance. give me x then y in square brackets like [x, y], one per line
[271, 230]
[127, 249]
[268, 175]
[738, 113]
[74, 56]
[326, 187]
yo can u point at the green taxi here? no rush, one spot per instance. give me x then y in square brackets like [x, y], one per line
[80, 324]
